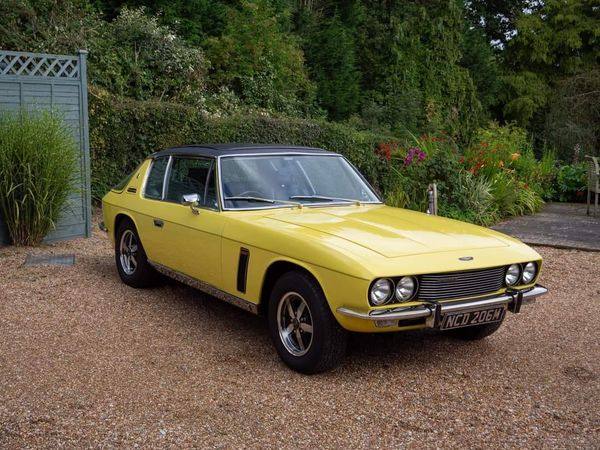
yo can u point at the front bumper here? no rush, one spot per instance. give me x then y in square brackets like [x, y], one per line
[432, 312]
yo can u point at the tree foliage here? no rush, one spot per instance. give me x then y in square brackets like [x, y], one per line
[137, 57]
[555, 40]
[331, 57]
[404, 67]
[260, 61]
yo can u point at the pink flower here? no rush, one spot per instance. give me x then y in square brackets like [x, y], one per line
[414, 152]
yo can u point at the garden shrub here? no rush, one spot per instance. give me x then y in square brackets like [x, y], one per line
[504, 156]
[497, 176]
[37, 165]
[261, 62]
[477, 186]
[136, 56]
[470, 199]
[124, 131]
[571, 182]
[415, 165]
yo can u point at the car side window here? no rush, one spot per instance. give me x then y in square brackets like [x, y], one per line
[156, 178]
[192, 176]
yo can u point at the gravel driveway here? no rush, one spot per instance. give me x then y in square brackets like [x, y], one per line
[88, 361]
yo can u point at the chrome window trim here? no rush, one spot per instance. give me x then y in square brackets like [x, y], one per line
[206, 185]
[147, 175]
[311, 205]
[166, 179]
[168, 173]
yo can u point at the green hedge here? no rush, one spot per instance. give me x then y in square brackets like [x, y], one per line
[123, 132]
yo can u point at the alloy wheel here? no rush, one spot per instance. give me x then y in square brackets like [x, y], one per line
[128, 250]
[295, 324]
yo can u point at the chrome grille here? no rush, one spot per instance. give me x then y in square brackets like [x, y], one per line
[460, 284]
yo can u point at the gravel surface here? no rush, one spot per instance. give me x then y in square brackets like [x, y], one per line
[88, 361]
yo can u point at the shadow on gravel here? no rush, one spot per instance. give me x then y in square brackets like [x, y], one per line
[421, 348]
[230, 329]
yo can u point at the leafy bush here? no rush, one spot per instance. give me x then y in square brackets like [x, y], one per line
[124, 131]
[414, 166]
[261, 62]
[135, 56]
[507, 149]
[471, 199]
[571, 182]
[497, 177]
[48, 26]
[37, 162]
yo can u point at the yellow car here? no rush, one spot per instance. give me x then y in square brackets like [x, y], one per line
[298, 235]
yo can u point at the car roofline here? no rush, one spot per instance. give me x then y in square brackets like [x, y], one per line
[218, 150]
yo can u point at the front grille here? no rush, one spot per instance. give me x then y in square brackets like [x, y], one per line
[460, 284]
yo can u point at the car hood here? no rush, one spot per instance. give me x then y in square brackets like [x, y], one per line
[393, 232]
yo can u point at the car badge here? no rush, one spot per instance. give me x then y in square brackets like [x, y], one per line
[466, 258]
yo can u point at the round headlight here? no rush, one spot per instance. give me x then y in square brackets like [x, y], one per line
[529, 272]
[513, 274]
[405, 289]
[381, 291]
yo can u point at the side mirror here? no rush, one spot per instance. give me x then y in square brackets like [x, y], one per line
[191, 200]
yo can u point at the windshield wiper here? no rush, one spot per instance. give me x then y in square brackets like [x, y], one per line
[261, 200]
[323, 197]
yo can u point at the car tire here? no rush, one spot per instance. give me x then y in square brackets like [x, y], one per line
[130, 257]
[476, 332]
[297, 305]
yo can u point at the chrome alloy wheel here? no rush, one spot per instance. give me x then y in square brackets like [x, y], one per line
[295, 324]
[128, 249]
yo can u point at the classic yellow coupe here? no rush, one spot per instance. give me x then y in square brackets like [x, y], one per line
[298, 235]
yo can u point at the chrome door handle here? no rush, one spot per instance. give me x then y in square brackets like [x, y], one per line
[158, 223]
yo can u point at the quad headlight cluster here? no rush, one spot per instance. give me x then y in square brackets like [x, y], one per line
[520, 273]
[384, 290]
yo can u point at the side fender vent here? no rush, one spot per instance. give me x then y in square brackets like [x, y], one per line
[243, 269]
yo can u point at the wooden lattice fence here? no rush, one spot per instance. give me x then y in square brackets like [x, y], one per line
[57, 83]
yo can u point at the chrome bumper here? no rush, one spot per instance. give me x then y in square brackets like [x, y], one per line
[432, 311]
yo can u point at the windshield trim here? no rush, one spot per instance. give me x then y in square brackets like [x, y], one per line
[304, 205]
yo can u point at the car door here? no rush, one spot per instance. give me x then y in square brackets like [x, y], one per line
[150, 208]
[191, 236]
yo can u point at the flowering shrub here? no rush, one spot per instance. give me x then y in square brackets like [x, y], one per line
[385, 149]
[497, 176]
[412, 154]
[428, 159]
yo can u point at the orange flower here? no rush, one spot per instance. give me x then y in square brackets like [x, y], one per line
[515, 156]
[500, 163]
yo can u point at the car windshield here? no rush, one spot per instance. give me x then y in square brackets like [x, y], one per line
[279, 180]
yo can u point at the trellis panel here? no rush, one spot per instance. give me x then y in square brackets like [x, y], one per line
[58, 83]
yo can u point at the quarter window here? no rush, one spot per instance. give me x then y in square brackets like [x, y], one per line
[192, 176]
[156, 178]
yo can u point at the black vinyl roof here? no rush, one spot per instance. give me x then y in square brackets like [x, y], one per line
[213, 150]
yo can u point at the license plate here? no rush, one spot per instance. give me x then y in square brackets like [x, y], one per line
[471, 318]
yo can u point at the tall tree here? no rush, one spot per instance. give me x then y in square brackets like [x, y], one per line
[410, 57]
[497, 18]
[258, 59]
[330, 52]
[555, 41]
